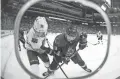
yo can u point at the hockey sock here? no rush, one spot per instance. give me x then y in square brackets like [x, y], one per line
[47, 64]
[35, 69]
[49, 72]
[102, 42]
[84, 66]
[86, 69]
[98, 42]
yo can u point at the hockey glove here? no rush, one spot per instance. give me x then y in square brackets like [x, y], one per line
[47, 50]
[82, 46]
[57, 53]
[24, 46]
[65, 60]
[40, 51]
[56, 50]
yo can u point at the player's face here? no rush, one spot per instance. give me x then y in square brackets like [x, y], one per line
[83, 37]
[40, 34]
[70, 38]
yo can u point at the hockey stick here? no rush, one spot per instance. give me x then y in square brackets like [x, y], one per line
[70, 57]
[56, 62]
[92, 43]
[64, 63]
[105, 39]
[59, 66]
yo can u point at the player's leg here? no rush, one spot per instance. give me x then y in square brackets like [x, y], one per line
[53, 65]
[78, 60]
[34, 62]
[23, 41]
[19, 45]
[44, 57]
[101, 39]
[98, 40]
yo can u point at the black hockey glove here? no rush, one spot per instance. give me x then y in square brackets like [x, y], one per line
[57, 50]
[47, 50]
[65, 60]
[51, 52]
[24, 46]
[82, 46]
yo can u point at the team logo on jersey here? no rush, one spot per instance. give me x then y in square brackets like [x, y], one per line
[70, 52]
[34, 40]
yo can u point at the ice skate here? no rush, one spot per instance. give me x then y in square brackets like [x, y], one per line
[88, 70]
[48, 73]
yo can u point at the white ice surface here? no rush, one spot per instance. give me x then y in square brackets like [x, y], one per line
[92, 55]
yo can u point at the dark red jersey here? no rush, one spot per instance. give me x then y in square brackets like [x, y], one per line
[61, 44]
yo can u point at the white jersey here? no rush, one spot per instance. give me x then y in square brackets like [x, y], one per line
[30, 45]
[99, 35]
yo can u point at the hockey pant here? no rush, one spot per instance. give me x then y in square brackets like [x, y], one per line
[100, 39]
[76, 59]
[33, 58]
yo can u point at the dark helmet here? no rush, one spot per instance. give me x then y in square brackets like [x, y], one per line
[21, 30]
[84, 34]
[71, 31]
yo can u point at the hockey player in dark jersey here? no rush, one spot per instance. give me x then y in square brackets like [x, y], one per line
[64, 46]
[100, 37]
[21, 38]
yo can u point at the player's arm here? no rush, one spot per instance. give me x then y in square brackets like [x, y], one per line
[47, 49]
[28, 45]
[56, 47]
[82, 42]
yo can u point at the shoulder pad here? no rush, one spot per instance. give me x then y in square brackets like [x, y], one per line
[59, 40]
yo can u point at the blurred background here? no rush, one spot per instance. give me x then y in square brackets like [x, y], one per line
[86, 18]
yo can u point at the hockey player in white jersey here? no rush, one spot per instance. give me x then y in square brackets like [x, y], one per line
[35, 40]
[100, 37]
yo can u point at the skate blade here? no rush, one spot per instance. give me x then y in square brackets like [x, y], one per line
[49, 77]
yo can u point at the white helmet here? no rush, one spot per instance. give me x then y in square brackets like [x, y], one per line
[40, 24]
